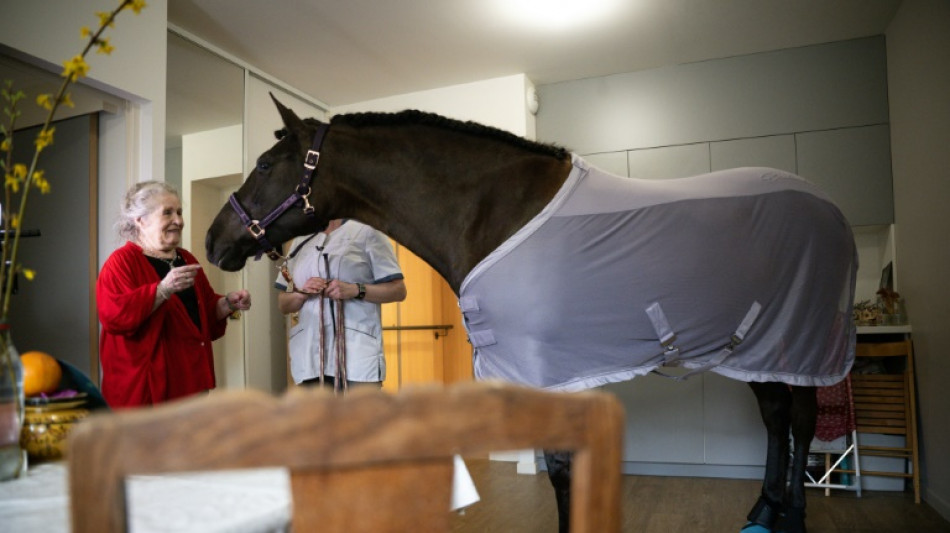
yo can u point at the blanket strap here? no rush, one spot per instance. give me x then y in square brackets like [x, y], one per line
[485, 337]
[664, 332]
[734, 340]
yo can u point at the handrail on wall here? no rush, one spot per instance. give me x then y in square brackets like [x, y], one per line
[437, 327]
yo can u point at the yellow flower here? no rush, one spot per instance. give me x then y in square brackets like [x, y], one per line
[45, 101]
[39, 180]
[103, 47]
[137, 6]
[29, 274]
[67, 100]
[12, 183]
[75, 68]
[15, 221]
[13, 180]
[19, 171]
[104, 18]
[5, 145]
[85, 32]
[43, 139]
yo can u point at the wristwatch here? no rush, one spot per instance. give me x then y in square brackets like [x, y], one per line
[362, 293]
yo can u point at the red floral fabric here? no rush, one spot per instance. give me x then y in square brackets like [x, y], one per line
[835, 411]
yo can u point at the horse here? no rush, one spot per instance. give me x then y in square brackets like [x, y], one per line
[748, 273]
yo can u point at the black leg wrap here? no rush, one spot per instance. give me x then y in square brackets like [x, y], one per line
[559, 472]
[765, 513]
[793, 521]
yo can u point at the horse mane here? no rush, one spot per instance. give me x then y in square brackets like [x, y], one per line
[416, 117]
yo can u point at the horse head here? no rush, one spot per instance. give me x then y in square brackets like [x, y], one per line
[273, 204]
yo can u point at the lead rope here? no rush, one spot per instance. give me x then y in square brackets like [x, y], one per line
[323, 340]
[339, 341]
[339, 336]
[339, 345]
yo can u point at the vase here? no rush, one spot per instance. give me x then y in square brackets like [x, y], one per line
[12, 455]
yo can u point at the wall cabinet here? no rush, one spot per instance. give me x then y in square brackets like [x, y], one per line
[707, 425]
[851, 165]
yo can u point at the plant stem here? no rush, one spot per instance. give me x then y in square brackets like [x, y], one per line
[7, 277]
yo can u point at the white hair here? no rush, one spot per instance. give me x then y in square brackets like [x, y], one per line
[138, 202]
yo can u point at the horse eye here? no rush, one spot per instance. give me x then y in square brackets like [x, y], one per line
[263, 166]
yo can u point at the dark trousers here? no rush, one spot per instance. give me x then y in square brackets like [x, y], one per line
[330, 381]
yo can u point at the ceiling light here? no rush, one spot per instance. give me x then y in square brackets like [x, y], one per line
[557, 14]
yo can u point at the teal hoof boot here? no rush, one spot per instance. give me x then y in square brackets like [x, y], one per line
[755, 528]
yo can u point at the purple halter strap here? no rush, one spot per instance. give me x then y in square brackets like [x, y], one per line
[257, 228]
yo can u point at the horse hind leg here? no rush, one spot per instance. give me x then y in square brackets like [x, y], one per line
[775, 406]
[559, 472]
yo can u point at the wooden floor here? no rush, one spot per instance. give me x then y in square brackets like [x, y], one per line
[525, 503]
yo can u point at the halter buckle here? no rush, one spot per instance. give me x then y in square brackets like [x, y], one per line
[255, 229]
[310, 162]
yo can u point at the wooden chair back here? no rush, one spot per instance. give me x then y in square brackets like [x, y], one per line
[369, 461]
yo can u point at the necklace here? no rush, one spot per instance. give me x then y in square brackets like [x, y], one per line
[168, 261]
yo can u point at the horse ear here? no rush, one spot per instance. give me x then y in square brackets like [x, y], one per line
[291, 120]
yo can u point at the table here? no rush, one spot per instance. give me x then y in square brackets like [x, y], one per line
[233, 501]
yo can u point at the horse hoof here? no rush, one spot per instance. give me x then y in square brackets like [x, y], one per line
[755, 528]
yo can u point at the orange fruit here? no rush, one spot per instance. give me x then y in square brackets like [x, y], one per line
[41, 373]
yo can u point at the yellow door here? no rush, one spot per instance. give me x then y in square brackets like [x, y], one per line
[418, 348]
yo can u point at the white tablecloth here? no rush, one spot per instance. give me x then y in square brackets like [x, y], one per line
[233, 501]
[236, 501]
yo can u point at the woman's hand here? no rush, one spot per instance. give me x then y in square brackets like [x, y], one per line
[233, 302]
[238, 300]
[291, 302]
[177, 280]
[313, 286]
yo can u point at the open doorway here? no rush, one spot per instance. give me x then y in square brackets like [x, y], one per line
[207, 196]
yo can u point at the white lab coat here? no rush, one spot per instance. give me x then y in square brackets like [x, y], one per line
[355, 253]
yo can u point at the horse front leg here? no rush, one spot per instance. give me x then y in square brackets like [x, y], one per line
[559, 472]
[804, 417]
[775, 401]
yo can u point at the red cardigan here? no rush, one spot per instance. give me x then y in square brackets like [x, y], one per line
[148, 357]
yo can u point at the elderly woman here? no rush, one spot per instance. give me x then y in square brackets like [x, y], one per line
[158, 311]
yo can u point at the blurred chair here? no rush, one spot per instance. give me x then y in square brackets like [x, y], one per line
[836, 439]
[369, 461]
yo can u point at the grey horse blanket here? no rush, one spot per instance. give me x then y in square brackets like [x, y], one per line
[747, 272]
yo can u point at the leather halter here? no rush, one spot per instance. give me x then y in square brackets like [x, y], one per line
[258, 228]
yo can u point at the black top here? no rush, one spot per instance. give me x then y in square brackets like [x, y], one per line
[188, 296]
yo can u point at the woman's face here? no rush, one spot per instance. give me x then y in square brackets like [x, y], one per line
[161, 228]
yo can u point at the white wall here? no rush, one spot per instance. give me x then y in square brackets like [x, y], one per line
[46, 33]
[208, 154]
[918, 72]
[498, 102]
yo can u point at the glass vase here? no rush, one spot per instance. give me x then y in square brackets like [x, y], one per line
[12, 455]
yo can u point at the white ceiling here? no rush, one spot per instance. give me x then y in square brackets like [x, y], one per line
[346, 51]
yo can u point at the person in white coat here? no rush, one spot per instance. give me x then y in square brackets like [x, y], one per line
[353, 264]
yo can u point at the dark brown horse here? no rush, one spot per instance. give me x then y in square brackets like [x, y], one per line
[455, 192]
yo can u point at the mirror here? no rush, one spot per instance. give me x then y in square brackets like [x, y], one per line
[204, 159]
